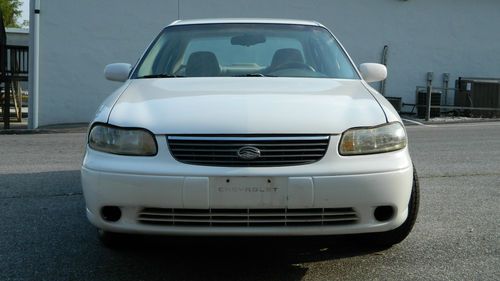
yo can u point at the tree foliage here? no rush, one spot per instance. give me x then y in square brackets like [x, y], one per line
[11, 10]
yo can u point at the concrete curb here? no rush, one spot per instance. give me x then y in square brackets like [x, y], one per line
[450, 121]
[52, 129]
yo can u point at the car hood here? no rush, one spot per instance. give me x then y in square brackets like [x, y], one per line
[246, 105]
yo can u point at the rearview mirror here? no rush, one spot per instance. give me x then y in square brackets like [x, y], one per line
[248, 39]
[117, 71]
[373, 72]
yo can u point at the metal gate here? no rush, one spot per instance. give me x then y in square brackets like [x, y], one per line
[14, 68]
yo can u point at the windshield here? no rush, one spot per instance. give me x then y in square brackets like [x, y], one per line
[218, 50]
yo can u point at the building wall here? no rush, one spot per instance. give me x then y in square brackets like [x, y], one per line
[78, 38]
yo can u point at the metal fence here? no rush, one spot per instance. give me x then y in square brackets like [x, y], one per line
[16, 70]
[17, 66]
[474, 97]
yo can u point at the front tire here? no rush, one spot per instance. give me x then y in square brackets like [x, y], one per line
[109, 239]
[395, 236]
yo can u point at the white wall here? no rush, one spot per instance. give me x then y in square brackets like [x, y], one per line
[77, 38]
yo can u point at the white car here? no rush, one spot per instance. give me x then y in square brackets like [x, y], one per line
[248, 127]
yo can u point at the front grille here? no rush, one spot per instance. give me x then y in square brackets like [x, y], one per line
[247, 217]
[227, 151]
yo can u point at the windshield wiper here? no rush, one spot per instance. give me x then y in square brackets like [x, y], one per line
[162, 75]
[255, 75]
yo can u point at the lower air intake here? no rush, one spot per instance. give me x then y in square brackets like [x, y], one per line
[247, 217]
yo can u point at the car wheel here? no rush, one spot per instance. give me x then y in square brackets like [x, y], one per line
[109, 239]
[395, 236]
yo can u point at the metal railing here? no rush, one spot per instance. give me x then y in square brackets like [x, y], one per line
[16, 70]
[444, 103]
[17, 66]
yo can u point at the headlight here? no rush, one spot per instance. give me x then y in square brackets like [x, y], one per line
[122, 141]
[384, 138]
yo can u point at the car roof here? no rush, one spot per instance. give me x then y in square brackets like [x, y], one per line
[245, 20]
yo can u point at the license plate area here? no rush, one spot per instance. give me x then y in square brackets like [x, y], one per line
[247, 192]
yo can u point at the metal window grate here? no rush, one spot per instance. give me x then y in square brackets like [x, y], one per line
[269, 151]
[247, 217]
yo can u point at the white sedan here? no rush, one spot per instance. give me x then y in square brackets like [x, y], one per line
[248, 127]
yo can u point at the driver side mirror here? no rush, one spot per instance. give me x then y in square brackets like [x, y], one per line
[117, 71]
[373, 72]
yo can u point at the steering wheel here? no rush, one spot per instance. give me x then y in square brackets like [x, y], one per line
[294, 64]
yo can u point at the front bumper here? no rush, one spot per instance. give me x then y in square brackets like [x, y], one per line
[360, 183]
[361, 192]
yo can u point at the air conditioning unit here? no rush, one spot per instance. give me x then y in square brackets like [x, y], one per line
[396, 102]
[479, 92]
[422, 103]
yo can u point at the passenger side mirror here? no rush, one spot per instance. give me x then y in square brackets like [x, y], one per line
[373, 72]
[117, 71]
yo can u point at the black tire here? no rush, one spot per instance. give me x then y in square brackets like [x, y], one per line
[111, 240]
[395, 236]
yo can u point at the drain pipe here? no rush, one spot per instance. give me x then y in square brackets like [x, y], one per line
[34, 63]
[178, 9]
[430, 77]
[384, 62]
[446, 80]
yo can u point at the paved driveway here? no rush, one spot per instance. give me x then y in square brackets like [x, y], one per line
[44, 234]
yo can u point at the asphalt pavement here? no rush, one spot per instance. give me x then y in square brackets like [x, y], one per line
[44, 234]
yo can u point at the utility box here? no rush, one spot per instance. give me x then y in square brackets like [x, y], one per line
[422, 103]
[478, 92]
[396, 102]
